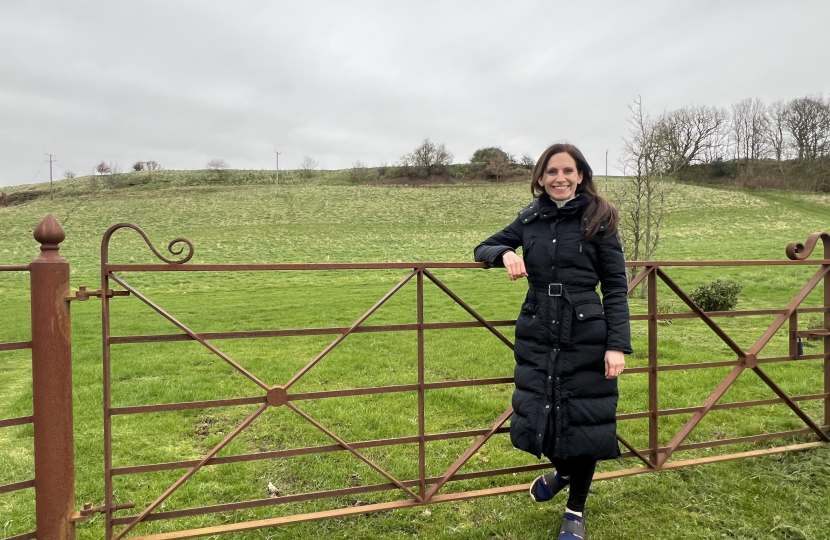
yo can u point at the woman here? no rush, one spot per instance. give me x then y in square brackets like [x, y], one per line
[569, 344]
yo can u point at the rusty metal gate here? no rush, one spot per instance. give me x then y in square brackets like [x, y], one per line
[428, 489]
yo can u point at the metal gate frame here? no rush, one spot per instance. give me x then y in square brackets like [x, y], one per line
[654, 458]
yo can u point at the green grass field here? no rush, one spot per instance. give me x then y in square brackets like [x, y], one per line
[777, 497]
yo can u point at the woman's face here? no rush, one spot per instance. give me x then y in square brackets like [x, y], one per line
[561, 177]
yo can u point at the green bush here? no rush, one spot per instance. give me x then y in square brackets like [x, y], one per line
[718, 295]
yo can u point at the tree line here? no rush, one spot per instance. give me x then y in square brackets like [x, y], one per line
[749, 132]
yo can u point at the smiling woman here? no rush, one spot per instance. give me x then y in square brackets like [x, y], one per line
[569, 345]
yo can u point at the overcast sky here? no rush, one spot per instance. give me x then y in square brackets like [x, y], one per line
[182, 82]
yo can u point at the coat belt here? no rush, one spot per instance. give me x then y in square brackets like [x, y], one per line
[558, 290]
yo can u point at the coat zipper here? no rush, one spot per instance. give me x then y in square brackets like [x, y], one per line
[580, 247]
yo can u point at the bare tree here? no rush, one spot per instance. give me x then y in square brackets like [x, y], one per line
[68, 174]
[687, 134]
[775, 135]
[111, 179]
[807, 120]
[499, 166]
[528, 162]
[427, 159]
[152, 166]
[102, 168]
[749, 130]
[307, 166]
[217, 164]
[642, 194]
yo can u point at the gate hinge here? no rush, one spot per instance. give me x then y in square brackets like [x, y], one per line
[88, 510]
[84, 294]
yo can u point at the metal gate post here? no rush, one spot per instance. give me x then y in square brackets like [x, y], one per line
[52, 386]
[826, 320]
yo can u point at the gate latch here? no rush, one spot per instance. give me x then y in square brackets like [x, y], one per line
[83, 294]
[88, 510]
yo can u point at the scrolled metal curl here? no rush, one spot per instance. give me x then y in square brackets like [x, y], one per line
[798, 252]
[170, 247]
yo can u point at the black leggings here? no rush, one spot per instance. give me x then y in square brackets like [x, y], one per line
[581, 471]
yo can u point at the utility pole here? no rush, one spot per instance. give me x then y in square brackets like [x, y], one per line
[50, 173]
[278, 172]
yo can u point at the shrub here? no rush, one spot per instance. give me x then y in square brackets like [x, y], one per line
[383, 169]
[492, 162]
[307, 167]
[138, 166]
[217, 164]
[721, 169]
[358, 172]
[718, 295]
[8, 199]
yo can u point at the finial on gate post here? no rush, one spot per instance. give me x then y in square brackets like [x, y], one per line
[49, 233]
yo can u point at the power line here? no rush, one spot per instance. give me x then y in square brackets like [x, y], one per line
[37, 173]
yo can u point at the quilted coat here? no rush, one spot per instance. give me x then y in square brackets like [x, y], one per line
[564, 329]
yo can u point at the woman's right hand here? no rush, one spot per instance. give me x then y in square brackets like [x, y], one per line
[514, 264]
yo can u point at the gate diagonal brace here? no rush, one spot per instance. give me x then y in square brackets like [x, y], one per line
[791, 404]
[469, 453]
[186, 476]
[83, 295]
[189, 332]
[351, 449]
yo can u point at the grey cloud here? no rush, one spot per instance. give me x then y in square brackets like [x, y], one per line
[183, 82]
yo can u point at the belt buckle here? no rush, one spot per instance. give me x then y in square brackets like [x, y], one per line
[552, 289]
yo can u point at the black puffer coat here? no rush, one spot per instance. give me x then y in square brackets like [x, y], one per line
[564, 329]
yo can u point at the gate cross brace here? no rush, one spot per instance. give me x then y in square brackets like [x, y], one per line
[749, 360]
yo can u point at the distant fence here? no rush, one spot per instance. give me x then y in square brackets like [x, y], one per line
[423, 489]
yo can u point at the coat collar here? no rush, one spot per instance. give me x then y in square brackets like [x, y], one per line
[548, 208]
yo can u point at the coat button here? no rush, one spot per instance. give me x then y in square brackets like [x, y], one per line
[540, 435]
[556, 378]
[548, 406]
[554, 240]
[553, 322]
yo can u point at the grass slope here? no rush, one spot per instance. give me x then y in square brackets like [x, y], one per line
[329, 221]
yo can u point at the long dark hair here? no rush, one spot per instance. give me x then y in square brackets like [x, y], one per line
[600, 211]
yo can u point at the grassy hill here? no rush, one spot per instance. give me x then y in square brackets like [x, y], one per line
[236, 217]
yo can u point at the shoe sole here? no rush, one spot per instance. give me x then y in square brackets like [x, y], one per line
[530, 491]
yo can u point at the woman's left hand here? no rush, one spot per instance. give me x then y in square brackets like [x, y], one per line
[614, 363]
